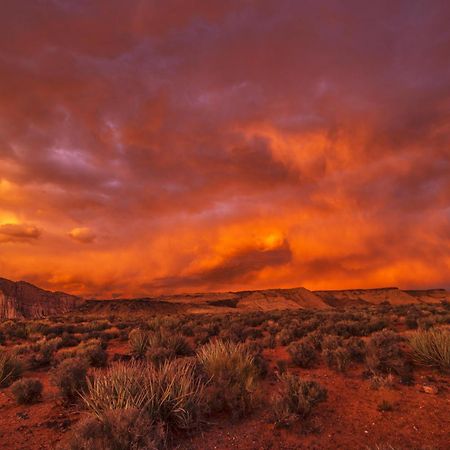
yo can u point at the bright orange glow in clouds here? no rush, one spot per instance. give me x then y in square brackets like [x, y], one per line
[189, 145]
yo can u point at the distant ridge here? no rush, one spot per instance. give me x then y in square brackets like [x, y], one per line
[24, 300]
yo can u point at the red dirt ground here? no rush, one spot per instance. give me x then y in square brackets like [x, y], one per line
[349, 419]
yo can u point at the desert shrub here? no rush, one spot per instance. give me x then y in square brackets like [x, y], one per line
[253, 333]
[376, 324]
[233, 373]
[337, 359]
[382, 381]
[70, 376]
[385, 355]
[69, 340]
[281, 366]
[385, 405]
[347, 328]
[285, 336]
[259, 361]
[411, 321]
[296, 398]
[303, 353]
[10, 368]
[44, 352]
[425, 323]
[171, 343]
[27, 391]
[331, 342]
[93, 353]
[159, 355]
[356, 348]
[432, 348]
[168, 394]
[127, 429]
[98, 325]
[138, 342]
[14, 330]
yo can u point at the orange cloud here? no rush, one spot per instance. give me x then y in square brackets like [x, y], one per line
[224, 145]
[14, 232]
[82, 234]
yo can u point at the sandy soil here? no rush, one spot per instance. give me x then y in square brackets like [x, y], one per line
[349, 419]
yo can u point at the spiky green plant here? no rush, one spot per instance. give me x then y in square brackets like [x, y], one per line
[432, 348]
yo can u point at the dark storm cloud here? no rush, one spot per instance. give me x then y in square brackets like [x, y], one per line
[137, 118]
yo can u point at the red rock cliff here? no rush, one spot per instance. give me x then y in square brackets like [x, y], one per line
[24, 300]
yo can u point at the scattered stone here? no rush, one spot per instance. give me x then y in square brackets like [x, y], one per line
[430, 389]
[23, 415]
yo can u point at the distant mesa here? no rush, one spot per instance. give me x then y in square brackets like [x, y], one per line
[24, 300]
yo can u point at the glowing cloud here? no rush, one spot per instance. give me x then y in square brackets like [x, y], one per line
[224, 145]
[83, 234]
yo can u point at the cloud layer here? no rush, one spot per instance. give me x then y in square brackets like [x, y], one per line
[224, 145]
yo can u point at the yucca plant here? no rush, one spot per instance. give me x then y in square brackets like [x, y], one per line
[170, 394]
[10, 368]
[138, 342]
[232, 370]
[432, 348]
[121, 386]
[174, 394]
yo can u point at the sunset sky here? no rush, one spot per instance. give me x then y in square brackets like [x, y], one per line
[152, 147]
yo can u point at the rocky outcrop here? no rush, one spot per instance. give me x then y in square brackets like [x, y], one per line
[392, 295]
[24, 300]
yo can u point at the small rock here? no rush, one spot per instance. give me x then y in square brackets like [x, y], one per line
[430, 389]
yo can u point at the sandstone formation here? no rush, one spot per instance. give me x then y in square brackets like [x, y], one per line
[393, 295]
[23, 300]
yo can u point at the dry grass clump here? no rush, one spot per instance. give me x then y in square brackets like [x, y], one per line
[233, 374]
[10, 368]
[163, 346]
[296, 399]
[432, 348]
[27, 391]
[168, 394]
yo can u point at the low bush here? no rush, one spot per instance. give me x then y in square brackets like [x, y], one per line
[296, 399]
[127, 429]
[337, 359]
[303, 353]
[356, 348]
[385, 354]
[70, 376]
[93, 353]
[27, 391]
[233, 374]
[432, 348]
[384, 406]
